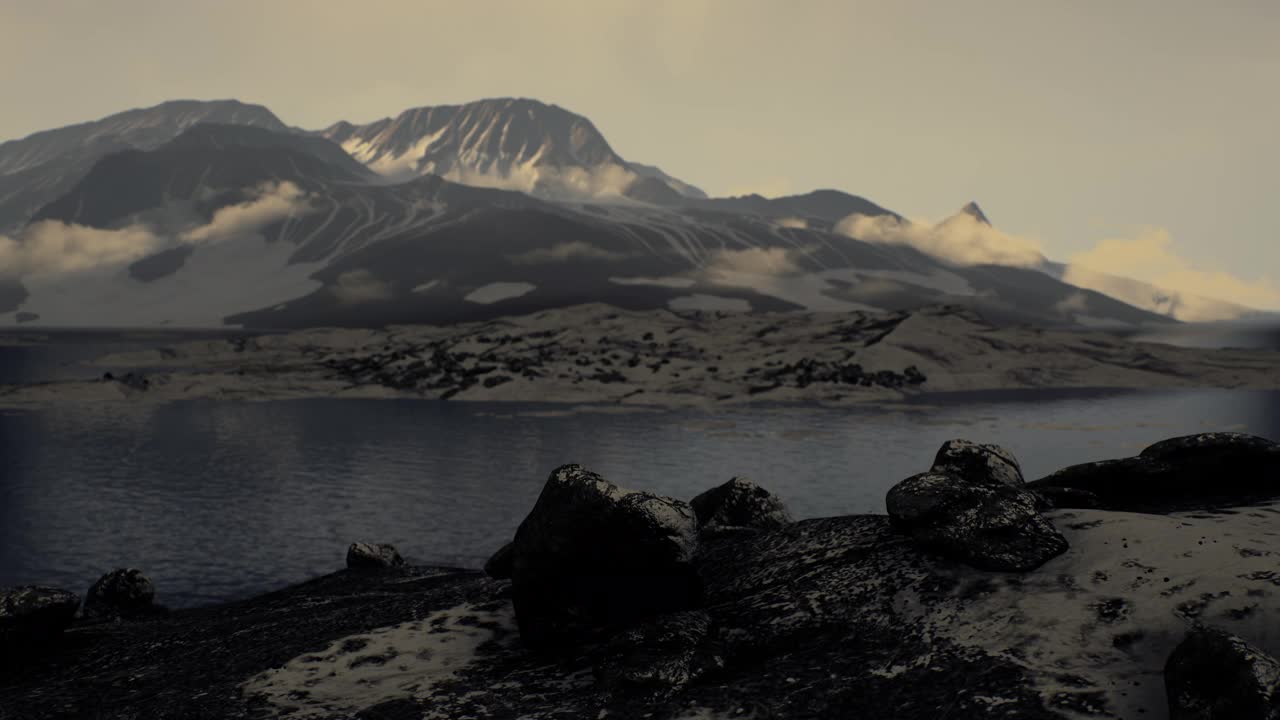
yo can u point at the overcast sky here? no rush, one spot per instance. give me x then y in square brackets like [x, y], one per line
[1143, 132]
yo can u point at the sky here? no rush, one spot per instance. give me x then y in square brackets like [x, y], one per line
[1139, 136]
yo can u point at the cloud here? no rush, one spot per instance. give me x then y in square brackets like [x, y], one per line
[360, 286]
[1185, 292]
[570, 183]
[51, 247]
[1076, 302]
[274, 201]
[561, 252]
[753, 261]
[792, 222]
[961, 239]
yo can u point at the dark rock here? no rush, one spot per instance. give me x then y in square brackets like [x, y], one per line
[123, 593]
[592, 556]
[978, 463]
[368, 556]
[400, 709]
[740, 503]
[498, 566]
[34, 612]
[1213, 675]
[659, 656]
[1183, 473]
[989, 526]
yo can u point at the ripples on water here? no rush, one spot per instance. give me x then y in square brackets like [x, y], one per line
[218, 500]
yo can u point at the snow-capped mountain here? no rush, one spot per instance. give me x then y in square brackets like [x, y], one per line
[509, 143]
[38, 168]
[199, 215]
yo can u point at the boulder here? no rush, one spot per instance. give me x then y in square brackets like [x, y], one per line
[1192, 472]
[1213, 675]
[592, 557]
[121, 593]
[368, 556]
[740, 503]
[498, 566]
[33, 612]
[989, 526]
[978, 463]
[657, 657]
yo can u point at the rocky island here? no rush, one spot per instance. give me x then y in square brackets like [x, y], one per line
[1145, 587]
[597, 353]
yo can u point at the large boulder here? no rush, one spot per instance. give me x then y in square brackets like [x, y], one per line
[592, 557]
[34, 612]
[121, 593]
[370, 556]
[978, 463]
[1183, 473]
[498, 566]
[740, 503]
[990, 526]
[1213, 675]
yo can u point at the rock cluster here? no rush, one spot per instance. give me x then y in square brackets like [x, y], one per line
[34, 613]
[1192, 472]
[740, 503]
[972, 507]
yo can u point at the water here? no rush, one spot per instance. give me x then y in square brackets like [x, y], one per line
[220, 500]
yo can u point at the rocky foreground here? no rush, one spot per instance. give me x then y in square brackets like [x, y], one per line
[979, 595]
[597, 353]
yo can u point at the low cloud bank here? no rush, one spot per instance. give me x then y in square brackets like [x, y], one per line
[961, 239]
[51, 248]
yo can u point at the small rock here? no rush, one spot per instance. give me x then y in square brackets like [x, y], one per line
[740, 503]
[121, 593]
[591, 557]
[498, 566]
[989, 526]
[1213, 675]
[978, 463]
[33, 612]
[659, 656]
[367, 556]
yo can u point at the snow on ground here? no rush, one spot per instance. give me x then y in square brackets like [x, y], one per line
[197, 295]
[673, 282]
[1111, 609]
[494, 292]
[425, 286]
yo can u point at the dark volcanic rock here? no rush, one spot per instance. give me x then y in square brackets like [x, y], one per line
[368, 556]
[591, 556]
[658, 656]
[123, 593]
[33, 612]
[1213, 675]
[498, 566]
[1184, 473]
[978, 463]
[989, 526]
[740, 503]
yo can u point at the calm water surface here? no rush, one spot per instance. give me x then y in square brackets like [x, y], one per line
[219, 500]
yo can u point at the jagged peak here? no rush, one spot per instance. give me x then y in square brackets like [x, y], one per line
[972, 210]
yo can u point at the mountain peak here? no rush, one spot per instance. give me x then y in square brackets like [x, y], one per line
[975, 212]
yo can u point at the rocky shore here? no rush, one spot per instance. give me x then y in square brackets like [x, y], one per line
[600, 354]
[1146, 587]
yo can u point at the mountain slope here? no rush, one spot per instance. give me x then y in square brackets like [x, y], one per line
[40, 167]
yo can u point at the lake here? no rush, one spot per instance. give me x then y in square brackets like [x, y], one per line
[220, 500]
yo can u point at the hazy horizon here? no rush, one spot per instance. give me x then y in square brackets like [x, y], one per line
[1136, 138]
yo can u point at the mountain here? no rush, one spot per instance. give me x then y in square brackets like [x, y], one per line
[510, 143]
[271, 229]
[38, 168]
[972, 210]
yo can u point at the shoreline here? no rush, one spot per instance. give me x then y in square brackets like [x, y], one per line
[600, 355]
